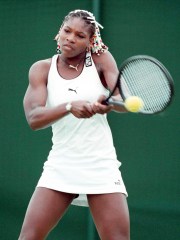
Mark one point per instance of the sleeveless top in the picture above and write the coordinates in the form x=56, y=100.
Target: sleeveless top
x=83, y=158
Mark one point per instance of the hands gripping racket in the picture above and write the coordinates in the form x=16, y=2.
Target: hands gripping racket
x=145, y=85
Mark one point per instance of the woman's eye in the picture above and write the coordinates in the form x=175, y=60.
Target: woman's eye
x=66, y=30
x=80, y=36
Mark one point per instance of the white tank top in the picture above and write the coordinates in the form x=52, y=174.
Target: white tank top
x=70, y=132
x=83, y=158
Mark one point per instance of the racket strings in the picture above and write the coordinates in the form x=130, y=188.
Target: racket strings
x=146, y=79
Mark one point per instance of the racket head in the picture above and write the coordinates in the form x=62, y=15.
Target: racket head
x=146, y=77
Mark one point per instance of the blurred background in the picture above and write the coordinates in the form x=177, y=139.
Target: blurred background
x=147, y=146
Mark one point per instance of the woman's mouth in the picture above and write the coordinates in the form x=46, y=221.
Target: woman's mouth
x=68, y=46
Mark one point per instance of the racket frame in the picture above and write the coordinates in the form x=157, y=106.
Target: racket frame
x=118, y=83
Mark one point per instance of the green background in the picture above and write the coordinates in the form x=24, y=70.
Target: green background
x=148, y=146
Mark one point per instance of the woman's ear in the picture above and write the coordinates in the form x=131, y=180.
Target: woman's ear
x=91, y=40
x=89, y=47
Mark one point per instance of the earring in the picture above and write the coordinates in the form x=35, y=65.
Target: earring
x=58, y=49
x=88, y=49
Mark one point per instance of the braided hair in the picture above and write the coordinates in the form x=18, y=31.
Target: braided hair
x=96, y=46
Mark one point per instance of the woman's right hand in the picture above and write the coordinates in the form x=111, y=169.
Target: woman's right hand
x=82, y=109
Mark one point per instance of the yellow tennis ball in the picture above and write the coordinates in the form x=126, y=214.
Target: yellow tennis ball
x=134, y=104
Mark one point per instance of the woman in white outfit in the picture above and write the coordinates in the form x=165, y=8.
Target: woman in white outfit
x=66, y=93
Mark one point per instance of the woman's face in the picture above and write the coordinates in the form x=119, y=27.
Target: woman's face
x=74, y=37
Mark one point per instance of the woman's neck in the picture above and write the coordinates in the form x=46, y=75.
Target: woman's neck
x=73, y=62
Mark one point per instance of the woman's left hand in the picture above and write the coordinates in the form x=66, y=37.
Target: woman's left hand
x=100, y=108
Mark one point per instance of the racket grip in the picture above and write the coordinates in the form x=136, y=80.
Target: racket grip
x=116, y=103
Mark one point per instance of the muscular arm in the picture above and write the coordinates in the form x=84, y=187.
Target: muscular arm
x=37, y=114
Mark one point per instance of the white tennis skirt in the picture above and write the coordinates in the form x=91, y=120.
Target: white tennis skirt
x=82, y=181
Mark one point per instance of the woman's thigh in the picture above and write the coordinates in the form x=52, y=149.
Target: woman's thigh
x=111, y=215
x=45, y=209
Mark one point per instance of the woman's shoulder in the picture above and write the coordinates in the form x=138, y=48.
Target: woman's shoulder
x=39, y=70
x=104, y=60
x=41, y=64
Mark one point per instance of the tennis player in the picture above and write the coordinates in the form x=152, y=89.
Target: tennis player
x=66, y=93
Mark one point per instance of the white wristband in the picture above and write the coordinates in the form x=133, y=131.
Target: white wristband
x=68, y=107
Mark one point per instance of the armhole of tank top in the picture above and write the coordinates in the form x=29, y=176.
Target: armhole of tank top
x=53, y=65
x=54, y=61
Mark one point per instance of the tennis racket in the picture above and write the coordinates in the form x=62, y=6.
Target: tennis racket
x=147, y=78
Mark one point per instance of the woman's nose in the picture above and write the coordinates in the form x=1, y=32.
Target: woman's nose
x=71, y=38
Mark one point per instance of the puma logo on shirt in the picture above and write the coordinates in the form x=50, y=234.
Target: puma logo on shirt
x=72, y=90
